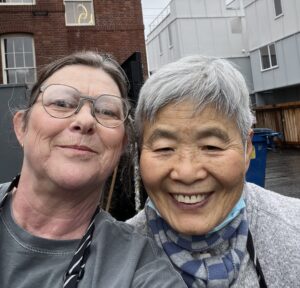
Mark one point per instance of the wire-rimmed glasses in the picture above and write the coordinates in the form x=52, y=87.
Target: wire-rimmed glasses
x=62, y=101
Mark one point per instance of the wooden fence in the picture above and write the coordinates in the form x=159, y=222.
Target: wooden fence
x=284, y=118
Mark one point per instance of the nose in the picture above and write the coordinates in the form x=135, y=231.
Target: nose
x=188, y=169
x=83, y=120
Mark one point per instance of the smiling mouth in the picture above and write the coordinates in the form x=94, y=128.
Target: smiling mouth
x=190, y=199
x=80, y=148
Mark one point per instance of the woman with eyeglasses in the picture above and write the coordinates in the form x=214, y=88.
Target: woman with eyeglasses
x=52, y=231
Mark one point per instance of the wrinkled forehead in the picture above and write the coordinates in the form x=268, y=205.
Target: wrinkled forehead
x=190, y=109
x=88, y=80
x=185, y=112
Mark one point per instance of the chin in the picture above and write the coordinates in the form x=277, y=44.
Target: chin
x=71, y=181
x=191, y=230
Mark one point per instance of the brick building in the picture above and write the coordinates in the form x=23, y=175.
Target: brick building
x=35, y=32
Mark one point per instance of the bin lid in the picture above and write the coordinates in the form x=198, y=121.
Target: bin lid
x=262, y=130
x=266, y=132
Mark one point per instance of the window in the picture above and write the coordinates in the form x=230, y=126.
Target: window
x=160, y=45
x=18, y=59
x=278, y=7
x=79, y=13
x=236, y=25
x=268, y=57
x=170, y=37
x=17, y=2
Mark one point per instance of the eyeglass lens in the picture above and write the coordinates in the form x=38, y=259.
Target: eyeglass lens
x=61, y=101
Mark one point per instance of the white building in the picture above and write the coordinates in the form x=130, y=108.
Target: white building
x=274, y=48
x=264, y=33
x=206, y=27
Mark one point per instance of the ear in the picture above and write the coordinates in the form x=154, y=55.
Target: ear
x=249, y=149
x=18, y=122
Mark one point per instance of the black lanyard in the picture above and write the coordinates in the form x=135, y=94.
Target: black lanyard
x=76, y=267
x=253, y=257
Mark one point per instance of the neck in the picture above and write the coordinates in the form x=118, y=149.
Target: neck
x=55, y=214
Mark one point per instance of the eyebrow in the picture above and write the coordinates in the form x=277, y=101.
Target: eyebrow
x=203, y=133
x=213, y=132
x=161, y=133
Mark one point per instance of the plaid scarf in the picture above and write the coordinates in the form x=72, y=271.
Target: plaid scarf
x=194, y=256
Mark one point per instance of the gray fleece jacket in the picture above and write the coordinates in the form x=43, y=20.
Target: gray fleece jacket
x=274, y=221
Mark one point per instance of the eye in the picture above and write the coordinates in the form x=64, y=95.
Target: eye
x=164, y=150
x=211, y=148
x=107, y=113
x=60, y=104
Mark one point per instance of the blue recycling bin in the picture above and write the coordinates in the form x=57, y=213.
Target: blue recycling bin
x=262, y=141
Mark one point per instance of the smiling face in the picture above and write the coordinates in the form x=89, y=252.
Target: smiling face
x=75, y=152
x=193, y=166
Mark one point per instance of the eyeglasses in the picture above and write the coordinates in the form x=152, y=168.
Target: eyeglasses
x=63, y=101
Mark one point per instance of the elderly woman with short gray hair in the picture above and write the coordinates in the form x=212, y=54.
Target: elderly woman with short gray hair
x=193, y=122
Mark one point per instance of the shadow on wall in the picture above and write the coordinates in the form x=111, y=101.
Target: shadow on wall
x=11, y=98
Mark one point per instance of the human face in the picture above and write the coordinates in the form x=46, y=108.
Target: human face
x=193, y=166
x=76, y=152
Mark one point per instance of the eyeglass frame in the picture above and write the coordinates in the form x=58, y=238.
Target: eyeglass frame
x=83, y=98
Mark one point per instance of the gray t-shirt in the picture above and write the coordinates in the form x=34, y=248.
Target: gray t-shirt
x=120, y=257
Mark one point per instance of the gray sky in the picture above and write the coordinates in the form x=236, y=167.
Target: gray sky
x=151, y=8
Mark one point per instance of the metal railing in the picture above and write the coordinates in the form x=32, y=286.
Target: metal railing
x=159, y=18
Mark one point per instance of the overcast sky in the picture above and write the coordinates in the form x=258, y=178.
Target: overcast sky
x=151, y=8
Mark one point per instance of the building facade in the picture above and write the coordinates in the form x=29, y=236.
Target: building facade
x=36, y=32
x=206, y=27
x=262, y=37
x=274, y=48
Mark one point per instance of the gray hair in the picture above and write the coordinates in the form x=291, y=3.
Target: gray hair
x=202, y=80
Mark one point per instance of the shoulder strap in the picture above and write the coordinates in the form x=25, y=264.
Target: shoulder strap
x=253, y=257
x=3, y=188
x=6, y=187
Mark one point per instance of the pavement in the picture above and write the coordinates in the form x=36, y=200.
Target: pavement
x=283, y=172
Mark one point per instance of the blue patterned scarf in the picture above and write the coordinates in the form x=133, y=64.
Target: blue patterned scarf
x=211, y=260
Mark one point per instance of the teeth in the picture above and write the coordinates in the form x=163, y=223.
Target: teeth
x=189, y=199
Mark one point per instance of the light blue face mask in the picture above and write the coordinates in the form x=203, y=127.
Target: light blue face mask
x=236, y=209
x=233, y=213
x=151, y=205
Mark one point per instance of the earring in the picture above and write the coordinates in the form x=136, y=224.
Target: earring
x=22, y=145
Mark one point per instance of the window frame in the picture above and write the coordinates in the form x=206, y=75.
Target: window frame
x=170, y=37
x=276, y=3
x=5, y=69
x=269, y=57
x=160, y=45
x=78, y=24
x=16, y=4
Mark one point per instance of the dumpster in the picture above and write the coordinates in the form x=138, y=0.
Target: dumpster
x=262, y=142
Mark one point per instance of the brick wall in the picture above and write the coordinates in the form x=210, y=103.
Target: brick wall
x=118, y=29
